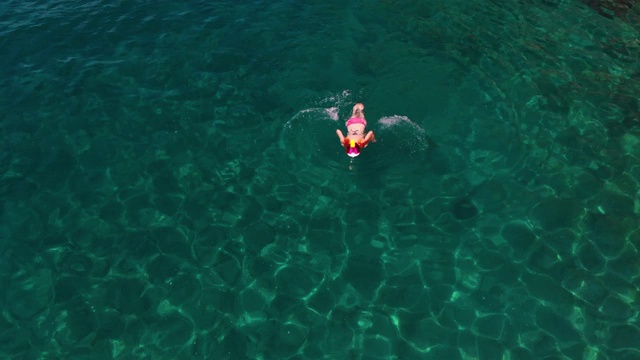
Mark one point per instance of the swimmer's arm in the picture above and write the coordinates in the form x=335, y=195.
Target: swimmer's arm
x=340, y=136
x=371, y=137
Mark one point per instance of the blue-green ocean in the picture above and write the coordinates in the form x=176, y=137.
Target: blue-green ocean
x=172, y=186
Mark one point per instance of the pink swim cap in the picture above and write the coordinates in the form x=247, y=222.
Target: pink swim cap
x=354, y=148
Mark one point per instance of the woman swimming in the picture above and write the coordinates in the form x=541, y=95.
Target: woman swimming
x=356, y=139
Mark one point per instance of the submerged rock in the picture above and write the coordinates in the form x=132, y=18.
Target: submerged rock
x=610, y=8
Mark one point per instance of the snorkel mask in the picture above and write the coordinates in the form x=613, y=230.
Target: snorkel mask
x=354, y=149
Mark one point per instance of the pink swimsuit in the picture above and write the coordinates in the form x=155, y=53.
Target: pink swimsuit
x=356, y=120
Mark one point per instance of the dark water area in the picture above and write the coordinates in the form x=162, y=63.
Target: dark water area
x=172, y=186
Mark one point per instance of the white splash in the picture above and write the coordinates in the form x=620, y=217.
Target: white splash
x=332, y=112
x=389, y=121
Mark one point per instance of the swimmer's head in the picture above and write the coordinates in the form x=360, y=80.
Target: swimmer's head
x=353, y=149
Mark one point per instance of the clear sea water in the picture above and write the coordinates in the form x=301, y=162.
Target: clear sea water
x=172, y=186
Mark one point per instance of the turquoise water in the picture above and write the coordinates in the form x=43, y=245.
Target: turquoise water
x=172, y=186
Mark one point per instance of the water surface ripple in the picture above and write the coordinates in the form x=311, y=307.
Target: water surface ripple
x=172, y=186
